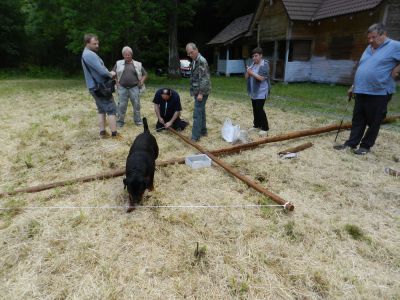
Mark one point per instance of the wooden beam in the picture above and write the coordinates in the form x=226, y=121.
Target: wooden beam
x=218, y=152
x=296, y=149
x=259, y=188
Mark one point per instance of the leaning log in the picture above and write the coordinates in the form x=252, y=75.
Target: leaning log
x=296, y=149
x=287, y=205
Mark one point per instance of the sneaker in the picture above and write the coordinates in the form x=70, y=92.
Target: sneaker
x=195, y=140
x=361, y=151
x=343, y=147
x=117, y=137
x=104, y=134
x=263, y=132
x=140, y=123
x=253, y=129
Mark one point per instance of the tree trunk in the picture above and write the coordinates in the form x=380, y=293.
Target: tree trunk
x=173, y=58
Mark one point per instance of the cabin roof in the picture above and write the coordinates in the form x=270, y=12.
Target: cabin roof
x=236, y=29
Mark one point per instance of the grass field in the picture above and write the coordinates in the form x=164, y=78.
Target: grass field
x=340, y=242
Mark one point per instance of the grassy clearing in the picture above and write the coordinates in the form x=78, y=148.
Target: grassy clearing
x=340, y=242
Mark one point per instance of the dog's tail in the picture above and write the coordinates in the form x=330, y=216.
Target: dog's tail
x=145, y=126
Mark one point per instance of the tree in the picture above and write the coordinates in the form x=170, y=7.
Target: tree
x=11, y=32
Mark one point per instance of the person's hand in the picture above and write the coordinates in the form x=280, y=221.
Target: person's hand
x=396, y=73
x=168, y=124
x=113, y=73
x=161, y=120
x=350, y=91
x=141, y=82
x=200, y=97
x=249, y=71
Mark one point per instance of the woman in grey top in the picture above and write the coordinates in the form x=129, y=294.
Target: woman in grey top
x=258, y=87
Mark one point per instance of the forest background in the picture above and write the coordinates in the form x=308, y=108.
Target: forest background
x=48, y=34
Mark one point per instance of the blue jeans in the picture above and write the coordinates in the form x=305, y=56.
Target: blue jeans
x=124, y=95
x=199, y=118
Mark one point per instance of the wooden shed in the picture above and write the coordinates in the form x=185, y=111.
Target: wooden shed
x=232, y=44
x=319, y=40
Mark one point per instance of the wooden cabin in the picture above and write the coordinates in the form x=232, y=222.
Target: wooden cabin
x=319, y=40
x=232, y=44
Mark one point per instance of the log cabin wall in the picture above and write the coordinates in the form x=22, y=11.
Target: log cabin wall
x=273, y=22
x=391, y=17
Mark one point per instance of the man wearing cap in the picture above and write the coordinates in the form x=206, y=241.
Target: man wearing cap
x=167, y=105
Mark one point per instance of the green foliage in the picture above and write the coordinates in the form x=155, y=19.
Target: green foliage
x=355, y=232
x=11, y=32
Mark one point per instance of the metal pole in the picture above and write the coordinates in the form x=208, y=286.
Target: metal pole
x=341, y=122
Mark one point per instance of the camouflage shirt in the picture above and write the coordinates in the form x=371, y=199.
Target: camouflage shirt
x=200, y=79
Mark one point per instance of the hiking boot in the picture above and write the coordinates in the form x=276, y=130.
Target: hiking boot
x=117, y=137
x=361, y=151
x=343, y=147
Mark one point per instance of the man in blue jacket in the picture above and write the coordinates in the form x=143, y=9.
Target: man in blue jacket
x=373, y=88
x=95, y=71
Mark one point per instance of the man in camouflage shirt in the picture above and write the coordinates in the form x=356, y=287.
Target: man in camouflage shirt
x=200, y=87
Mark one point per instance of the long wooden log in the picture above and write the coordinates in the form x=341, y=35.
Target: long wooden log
x=232, y=171
x=218, y=152
x=289, y=136
x=104, y=175
x=296, y=149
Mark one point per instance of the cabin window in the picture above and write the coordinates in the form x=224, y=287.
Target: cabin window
x=341, y=47
x=300, y=50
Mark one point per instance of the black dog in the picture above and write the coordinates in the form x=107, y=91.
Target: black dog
x=140, y=166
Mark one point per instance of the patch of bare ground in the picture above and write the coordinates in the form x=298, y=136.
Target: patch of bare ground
x=341, y=241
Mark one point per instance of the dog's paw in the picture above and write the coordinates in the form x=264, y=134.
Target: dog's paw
x=130, y=209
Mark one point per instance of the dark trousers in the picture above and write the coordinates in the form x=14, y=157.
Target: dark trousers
x=368, y=110
x=179, y=125
x=260, y=118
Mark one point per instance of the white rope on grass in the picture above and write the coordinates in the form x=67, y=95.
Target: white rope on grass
x=147, y=206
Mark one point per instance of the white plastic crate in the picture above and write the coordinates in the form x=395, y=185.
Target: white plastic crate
x=198, y=161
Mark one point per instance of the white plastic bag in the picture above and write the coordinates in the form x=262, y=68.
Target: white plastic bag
x=230, y=132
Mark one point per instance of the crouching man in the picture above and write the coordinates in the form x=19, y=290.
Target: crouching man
x=167, y=105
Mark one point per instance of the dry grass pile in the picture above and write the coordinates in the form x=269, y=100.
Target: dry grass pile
x=340, y=242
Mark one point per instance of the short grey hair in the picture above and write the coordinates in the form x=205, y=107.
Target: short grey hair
x=191, y=45
x=127, y=48
x=378, y=27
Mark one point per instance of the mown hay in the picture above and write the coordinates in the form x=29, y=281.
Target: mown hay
x=50, y=134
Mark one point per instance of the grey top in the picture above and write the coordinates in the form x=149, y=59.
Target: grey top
x=129, y=77
x=97, y=68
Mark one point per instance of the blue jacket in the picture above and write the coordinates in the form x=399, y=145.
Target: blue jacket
x=97, y=68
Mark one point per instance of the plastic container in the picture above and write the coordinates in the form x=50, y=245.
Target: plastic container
x=198, y=161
